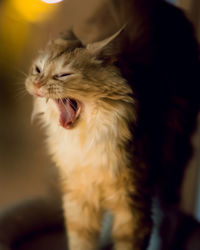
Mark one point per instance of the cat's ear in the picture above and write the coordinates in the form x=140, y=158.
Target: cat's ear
x=105, y=46
x=69, y=35
x=66, y=39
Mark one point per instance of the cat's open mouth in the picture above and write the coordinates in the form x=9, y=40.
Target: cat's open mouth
x=69, y=111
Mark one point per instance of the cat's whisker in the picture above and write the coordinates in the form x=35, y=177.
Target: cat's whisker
x=20, y=93
x=22, y=72
x=20, y=88
x=53, y=92
x=64, y=104
x=73, y=106
x=19, y=83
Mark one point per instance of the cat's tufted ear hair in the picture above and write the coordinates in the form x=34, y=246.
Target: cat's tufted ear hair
x=70, y=38
x=106, y=46
x=69, y=35
x=67, y=39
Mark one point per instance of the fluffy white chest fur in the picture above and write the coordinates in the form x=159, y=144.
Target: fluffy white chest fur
x=87, y=145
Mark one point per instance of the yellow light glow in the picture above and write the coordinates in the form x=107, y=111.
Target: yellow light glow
x=52, y=1
x=33, y=10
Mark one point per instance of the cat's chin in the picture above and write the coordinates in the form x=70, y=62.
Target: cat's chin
x=70, y=110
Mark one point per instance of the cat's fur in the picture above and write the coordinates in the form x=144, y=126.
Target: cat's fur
x=133, y=131
x=95, y=155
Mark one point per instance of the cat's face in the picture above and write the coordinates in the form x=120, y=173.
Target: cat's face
x=74, y=77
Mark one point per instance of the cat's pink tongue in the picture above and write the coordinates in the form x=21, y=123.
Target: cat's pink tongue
x=67, y=113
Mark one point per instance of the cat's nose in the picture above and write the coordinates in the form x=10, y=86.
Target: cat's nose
x=38, y=84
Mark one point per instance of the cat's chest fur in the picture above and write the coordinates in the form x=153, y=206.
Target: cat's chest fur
x=73, y=150
x=90, y=146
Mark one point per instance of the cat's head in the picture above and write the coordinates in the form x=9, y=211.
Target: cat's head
x=74, y=76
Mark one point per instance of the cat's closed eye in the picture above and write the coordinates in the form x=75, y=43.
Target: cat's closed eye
x=62, y=75
x=36, y=70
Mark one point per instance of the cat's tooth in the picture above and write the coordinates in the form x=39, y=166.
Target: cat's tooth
x=47, y=99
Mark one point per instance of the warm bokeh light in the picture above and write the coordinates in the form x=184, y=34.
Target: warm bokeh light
x=52, y=1
x=16, y=19
x=33, y=10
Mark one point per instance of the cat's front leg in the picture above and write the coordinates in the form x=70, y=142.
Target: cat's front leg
x=131, y=229
x=122, y=232
x=131, y=223
x=82, y=221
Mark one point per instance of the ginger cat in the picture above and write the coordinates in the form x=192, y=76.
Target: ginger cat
x=89, y=112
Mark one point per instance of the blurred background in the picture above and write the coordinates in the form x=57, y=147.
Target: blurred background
x=26, y=171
